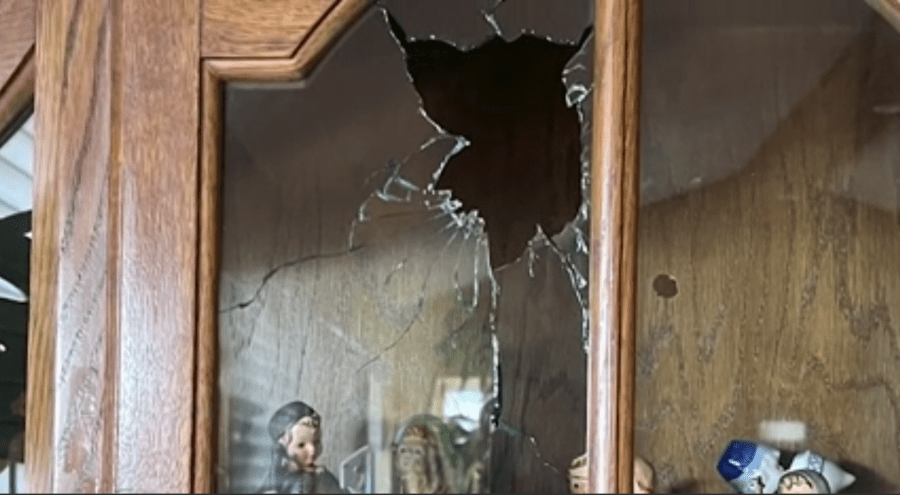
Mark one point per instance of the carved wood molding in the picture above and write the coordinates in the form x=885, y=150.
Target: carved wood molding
x=273, y=29
x=301, y=59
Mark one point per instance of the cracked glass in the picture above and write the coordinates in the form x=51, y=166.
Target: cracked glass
x=767, y=255
x=403, y=286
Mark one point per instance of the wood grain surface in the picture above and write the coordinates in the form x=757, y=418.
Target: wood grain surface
x=612, y=192
x=206, y=408
x=252, y=29
x=302, y=60
x=68, y=320
x=777, y=286
x=16, y=58
x=17, y=31
x=112, y=352
x=17, y=94
x=628, y=263
x=158, y=133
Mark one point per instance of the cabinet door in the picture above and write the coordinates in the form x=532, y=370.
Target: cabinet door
x=399, y=214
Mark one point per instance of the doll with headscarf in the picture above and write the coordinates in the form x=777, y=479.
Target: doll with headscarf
x=296, y=433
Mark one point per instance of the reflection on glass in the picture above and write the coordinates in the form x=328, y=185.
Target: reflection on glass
x=16, y=164
x=403, y=276
x=768, y=274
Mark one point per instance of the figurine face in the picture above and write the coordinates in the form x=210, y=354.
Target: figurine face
x=411, y=455
x=801, y=482
x=303, y=444
x=418, y=462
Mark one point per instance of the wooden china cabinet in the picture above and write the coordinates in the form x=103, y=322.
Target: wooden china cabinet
x=237, y=204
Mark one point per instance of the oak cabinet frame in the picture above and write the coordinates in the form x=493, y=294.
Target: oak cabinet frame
x=122, y=353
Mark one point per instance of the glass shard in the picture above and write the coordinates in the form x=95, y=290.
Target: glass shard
x=346, y=284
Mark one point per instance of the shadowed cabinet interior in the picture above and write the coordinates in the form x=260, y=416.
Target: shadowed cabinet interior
x=768, y=274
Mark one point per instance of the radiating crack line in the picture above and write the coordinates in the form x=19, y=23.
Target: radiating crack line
x=244, y=304
x=398, y=339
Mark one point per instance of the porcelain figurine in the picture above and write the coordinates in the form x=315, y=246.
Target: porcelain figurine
x=422, y=457
x=296, y=433
x=751, y=467
x=431, y=456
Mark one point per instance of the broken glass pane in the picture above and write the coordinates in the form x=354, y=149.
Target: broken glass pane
x=356, y=279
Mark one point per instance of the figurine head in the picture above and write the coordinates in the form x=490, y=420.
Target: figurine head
x=810, y=471
x=420, y=459
x=296, y=428
x=802, y=481
x=750, y=467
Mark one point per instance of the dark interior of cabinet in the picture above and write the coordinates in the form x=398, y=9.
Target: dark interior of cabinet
x=522, y=169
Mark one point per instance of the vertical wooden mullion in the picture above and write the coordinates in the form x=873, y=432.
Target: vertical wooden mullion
x=111, y=353
x=159, y=82
x=628, y=274
x=613, y=219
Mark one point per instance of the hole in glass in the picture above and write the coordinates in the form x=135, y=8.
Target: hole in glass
x=521, y=168
x=355, y=279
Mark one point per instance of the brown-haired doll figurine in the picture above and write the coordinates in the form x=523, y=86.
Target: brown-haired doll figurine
x=296, y=431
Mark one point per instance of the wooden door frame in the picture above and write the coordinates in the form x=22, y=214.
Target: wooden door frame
x=126, y=230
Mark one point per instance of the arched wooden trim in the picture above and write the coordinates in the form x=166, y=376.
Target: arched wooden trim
x=303, y=59
x=613, y=266
x=214, y=74
x=273, y=29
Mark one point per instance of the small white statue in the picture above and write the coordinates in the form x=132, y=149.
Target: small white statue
x=754, y=468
